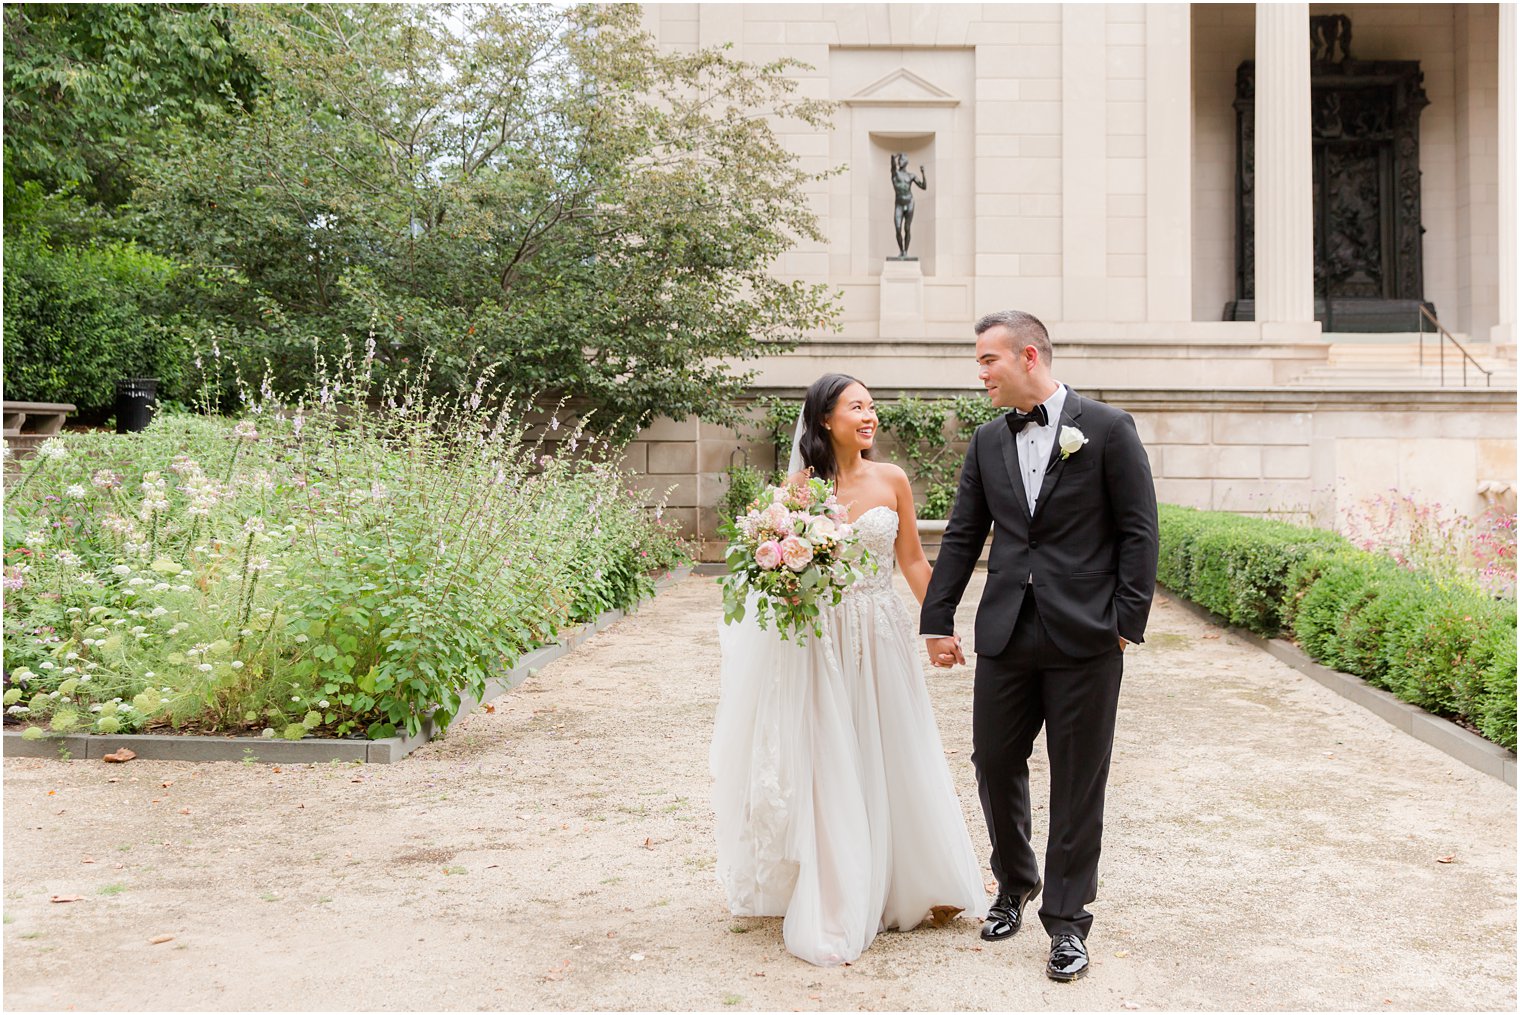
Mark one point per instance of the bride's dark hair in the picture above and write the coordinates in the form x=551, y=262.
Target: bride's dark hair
x=816, y=447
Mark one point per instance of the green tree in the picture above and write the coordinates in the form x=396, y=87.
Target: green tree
x=88, y=87
x=537, y=189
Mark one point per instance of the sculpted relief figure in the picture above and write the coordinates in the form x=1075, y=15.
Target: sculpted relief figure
x=902, y=216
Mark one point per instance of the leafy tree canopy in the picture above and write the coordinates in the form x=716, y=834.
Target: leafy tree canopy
x=533, y=189
x=89, y=86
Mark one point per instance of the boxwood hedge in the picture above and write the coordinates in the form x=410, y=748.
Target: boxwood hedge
x=1446, y=646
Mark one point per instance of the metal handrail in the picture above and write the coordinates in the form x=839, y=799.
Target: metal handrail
x=1445, y=336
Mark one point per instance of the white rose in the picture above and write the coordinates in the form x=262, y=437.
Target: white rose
x=1071, y=440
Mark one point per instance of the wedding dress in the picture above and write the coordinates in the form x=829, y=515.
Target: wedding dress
x=834, y=804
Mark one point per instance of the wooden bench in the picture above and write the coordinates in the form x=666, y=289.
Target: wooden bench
x=29, y=424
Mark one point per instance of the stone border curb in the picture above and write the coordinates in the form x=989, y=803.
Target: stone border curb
x=1442, y=734
x=167, y=747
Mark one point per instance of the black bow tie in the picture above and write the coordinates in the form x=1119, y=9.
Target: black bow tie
x=1018, y=420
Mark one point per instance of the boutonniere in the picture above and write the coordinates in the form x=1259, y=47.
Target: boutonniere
x=1071, y=441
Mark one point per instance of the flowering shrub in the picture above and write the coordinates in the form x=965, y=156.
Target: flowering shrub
x=331, y=569
x=1432, y=539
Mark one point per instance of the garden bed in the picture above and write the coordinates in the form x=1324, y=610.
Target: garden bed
x=309, y=571
x=188, y=747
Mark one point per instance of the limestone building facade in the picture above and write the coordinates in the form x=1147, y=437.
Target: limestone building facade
x=1229, y=215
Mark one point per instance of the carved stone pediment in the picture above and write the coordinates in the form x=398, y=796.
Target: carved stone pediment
x=902, y=87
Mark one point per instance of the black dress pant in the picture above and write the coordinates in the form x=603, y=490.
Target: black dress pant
x=1029, y=684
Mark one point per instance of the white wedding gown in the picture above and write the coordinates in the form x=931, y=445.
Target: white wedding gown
x=834, y=804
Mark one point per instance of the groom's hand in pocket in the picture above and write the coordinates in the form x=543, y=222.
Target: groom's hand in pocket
x=945, y=652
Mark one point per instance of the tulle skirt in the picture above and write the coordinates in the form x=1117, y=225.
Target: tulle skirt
x=834, y=804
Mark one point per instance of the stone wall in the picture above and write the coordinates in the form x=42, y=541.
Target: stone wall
x=1304, y=456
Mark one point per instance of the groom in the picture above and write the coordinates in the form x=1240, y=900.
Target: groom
x=1066, y=484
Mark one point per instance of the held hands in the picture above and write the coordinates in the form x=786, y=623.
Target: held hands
x=945, y=652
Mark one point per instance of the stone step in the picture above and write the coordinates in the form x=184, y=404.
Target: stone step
x=1407, y=377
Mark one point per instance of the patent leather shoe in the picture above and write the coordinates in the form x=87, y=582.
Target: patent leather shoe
x=1006, y=915
x=1068, y=958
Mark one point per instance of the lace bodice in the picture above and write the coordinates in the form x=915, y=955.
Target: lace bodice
x=877, y=529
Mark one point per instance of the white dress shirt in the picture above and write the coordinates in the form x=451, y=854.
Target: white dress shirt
x=1035, y=444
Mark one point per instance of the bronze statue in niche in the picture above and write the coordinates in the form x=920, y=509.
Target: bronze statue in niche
x=903, y=183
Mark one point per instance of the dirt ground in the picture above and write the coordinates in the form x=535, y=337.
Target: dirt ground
x=1268, y=846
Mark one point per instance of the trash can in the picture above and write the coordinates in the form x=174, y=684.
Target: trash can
x=134, y=403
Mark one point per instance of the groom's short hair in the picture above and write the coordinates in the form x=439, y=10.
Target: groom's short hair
x=1026, y=329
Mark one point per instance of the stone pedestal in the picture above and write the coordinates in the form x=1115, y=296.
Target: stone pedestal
x=902, y=299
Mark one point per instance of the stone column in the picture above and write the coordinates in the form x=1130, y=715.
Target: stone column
x=1284, y=173
x=1503, y=333
x=1084, y=162
x=1168, y=162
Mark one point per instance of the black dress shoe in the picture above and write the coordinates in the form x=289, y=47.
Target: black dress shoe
x=1006, y=915
x=1068, y=958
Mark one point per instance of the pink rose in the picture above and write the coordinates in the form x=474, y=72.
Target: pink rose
x=796, y=553
x=768, y=555
x=822, y=527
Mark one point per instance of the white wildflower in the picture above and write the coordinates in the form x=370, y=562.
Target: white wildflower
x=54, y=450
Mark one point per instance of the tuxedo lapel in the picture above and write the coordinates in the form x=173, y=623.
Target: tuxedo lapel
x=1055, y=465
x=1009, y=447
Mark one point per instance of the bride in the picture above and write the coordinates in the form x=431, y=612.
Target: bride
x=834, y=804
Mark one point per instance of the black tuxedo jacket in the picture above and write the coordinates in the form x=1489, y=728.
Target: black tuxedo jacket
x=1090, y=545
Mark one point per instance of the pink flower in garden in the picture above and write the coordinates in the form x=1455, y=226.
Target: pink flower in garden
x=768, y=555
x=796, y=553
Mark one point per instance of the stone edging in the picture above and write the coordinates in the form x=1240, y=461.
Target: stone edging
x=167, y=747
x=1442, y=734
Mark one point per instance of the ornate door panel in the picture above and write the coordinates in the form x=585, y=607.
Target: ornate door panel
x=1367, y=233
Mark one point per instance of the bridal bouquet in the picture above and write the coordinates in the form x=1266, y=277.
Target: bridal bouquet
x=795, y=554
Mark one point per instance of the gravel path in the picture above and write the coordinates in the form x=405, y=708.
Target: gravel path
x=1269, y=846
